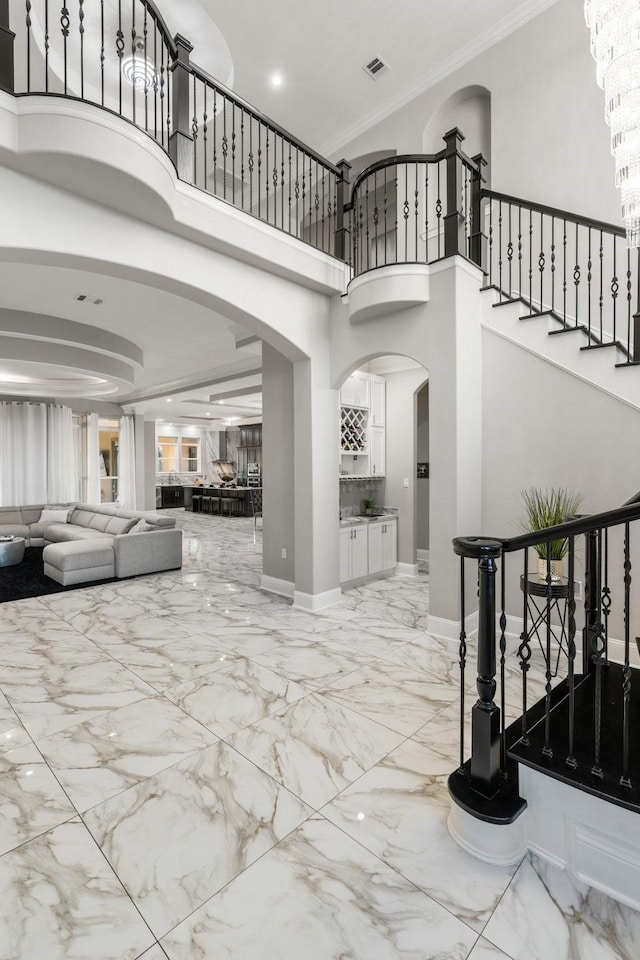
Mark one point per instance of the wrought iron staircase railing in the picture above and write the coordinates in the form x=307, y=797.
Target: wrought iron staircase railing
x=541, y=700
x=576, y=270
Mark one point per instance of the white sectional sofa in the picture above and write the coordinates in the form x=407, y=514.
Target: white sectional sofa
x=89, y=542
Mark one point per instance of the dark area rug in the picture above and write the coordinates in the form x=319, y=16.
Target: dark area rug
x=27, y=579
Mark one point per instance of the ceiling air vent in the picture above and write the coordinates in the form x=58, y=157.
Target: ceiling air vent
x=375, y=67
x=88, y=298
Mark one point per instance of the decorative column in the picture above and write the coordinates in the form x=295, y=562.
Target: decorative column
x=453, y=219
x=342, y=200
x=181, y=139
x=6, y=49
x=477, y=236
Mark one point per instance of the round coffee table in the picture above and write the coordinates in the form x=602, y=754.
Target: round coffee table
x=11, y=551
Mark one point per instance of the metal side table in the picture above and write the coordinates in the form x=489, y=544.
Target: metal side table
x=537, y=596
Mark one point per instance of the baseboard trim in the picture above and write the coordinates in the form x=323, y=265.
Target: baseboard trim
x=407, y=569
x=284, y=588
x=450, y=629
x=313, y=602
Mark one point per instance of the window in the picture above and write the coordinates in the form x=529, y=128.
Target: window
x=178, y=453
x=108, y=445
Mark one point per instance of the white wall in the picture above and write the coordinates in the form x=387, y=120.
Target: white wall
x=278, y=460
x=549, y=140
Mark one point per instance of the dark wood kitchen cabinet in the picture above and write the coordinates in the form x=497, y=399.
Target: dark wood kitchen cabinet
x=172, y=496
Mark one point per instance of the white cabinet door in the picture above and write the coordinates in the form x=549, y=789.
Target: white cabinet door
x=345, y=555
x=359, y=552
x=377, y=451
x=390, y=544
x=378, y=401
x=355, y=390
x=376, y=554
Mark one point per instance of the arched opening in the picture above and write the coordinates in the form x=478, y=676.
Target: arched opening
x=384, y=447
x=469, y=109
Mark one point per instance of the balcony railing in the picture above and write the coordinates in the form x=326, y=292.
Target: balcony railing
x=542, y=701
x=121, y=57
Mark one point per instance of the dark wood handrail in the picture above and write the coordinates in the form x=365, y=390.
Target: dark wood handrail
x=262, y=118
x=409, y=158
x=155, y=15
x=573, y=528
x=554, y=212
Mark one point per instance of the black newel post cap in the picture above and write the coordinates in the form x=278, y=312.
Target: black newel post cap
x=477, y=547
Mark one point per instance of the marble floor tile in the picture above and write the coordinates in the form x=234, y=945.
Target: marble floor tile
x=484, y=950
x=312, y=664
x=172, y=663
x=12, y=732
x=156, y=953
x=395, y=696
x=442, y=732
x=399, y=811
x=433, y=656
x=235, y=696
x=62, y=697
x=32, y=799
x=547, y=913
x=61, y=900
x=150, y=630
x=247, y=641
x=320, y=896
x=177, y=838
x=315, y=747
x=100, y=758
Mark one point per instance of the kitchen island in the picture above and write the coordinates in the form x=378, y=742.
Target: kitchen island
x=224, y=500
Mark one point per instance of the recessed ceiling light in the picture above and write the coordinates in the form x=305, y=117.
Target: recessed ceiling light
x=276, y=80
x=208, y=414
x=168, y=399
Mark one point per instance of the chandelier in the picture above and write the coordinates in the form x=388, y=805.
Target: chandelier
x=615, y=44
x=137, y=69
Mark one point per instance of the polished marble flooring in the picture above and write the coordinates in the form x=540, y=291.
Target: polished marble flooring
x=190, y=768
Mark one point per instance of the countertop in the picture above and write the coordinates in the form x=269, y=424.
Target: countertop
x=357, y=521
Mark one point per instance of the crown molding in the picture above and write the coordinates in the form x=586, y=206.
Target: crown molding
x=509, y=24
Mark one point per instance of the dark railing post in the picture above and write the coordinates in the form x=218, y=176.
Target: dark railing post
x=485, y=714
x=7, y=37
x=181, y=139
x=476, y=244
x=342, y=198
x=591, y=627
x=453, y=219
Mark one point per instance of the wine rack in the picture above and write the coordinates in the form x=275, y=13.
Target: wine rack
x=353, y=429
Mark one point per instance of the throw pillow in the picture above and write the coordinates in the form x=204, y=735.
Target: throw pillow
x=142, y=526
x=53, y=515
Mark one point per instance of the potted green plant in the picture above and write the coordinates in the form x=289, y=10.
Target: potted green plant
x=366, y=507
x=546, y=508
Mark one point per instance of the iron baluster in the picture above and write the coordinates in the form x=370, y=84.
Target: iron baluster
x=120, y=52
x=598, y=660
x=576, y=276
x=426, y=212
x=101, y=51
x=503, y=648
x=28, y=25
x=145, y=36
x=225, y=147
x=289, y=193
x=491, y=244
x=233, y=153
x=601, y=295
x=589, y=264
x=194, y=131
x=65, y=22
x=250, y=162
x=500, y=247
x=205, y=132
x=215, y=142
x=366, y=219
x=530, y=258
x=155, y=80
x=606, y=591
x=266, y=175
x=385, y=216
x=259, y=166
x=524, y=650
x=46, y=43
x=520, y=252
x=438, y=211
x=316, y=202
x=553, y=263
x=242, y=168
x=375, y=213
x=625, y=779
x=615, y=286
x=510, y=255
x=134, y=53
x=405, y=211
x=541, y=261
x=564, y=274
x=462, y=653
x=571, y=652
x=416, y=212
x=629, y=309
x=161, y=94
x=297, y=194
x=282, y=182
x=547, y=750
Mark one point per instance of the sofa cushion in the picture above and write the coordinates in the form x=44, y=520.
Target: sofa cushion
x=99, y=521
x=54, y=515
x=142, y=526
x=118, y=525
x=61, y=532
x=10, y=515
x=14, y=530
x=81, y=517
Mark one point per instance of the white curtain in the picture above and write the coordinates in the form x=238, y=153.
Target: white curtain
x=60, y=454
x=36, y=453
x=93, y=459
x=127, y=466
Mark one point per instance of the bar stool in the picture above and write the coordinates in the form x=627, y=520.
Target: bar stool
x=231, y=505
x=206, y=503
x=196, y=503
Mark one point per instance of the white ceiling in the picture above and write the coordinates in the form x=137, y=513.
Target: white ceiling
x=189, y=353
